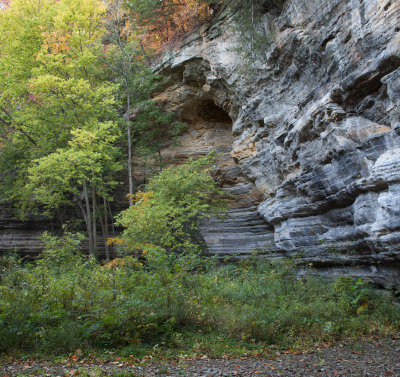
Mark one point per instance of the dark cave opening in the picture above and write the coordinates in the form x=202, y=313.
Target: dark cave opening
x=208, y=111
x=203, y=111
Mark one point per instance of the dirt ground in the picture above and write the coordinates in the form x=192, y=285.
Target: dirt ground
x=375, y=358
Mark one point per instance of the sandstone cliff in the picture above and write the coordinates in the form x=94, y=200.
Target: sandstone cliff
x=309, y=139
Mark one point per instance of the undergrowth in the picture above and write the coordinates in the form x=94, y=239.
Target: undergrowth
x=67, y=301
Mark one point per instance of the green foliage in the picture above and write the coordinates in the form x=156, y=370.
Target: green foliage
x=91, y=157
x=61, y=251
x=166, y=214
x=66, y=78
x=125, y=57
x=67, y=301
x=160, y=21
x=54, y=90
x=147, y=10
x=67, y=90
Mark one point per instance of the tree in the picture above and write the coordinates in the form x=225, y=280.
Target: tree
x=253, y=38
x=84, y=171
x=67, y=70
x=148, y=127
x=54, y=93
x=20, y=42
x=43, y=37
x=124, y=55
x=49, y=77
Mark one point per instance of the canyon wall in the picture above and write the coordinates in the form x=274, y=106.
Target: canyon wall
x=308, y=138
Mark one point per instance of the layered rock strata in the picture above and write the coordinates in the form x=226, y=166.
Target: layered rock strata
x=21, y=236
x=315, y=132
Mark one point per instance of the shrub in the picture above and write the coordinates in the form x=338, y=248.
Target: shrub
x=165, y=216
x=57, y=306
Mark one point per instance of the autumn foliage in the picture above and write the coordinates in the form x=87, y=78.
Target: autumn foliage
x=164, y=24
x=4, y=3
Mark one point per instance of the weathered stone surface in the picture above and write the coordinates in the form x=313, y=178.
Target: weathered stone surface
x=21, y=236
x=315, y=140
x=24, y=236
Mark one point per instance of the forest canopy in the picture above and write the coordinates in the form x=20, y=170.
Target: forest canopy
x=71, y=73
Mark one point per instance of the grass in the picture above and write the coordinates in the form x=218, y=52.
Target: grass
x=179, y=306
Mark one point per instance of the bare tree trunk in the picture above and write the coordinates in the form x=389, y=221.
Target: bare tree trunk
x=159, y=158
x=125, y=71
x=128, y=111
x=111, y=217
x=88, y=226
x=143, y=50
x=252, y=29
x=165, y=21
x=94, y=222
x=104, y=231
x=88, y=219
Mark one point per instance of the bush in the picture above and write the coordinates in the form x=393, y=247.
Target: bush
x=165, y=216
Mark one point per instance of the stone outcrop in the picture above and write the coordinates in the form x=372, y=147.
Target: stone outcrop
x=21, y=236
x=24, y=236
x=309, y=137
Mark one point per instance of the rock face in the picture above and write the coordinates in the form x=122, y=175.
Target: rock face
x=21, y=236
x=309, y=139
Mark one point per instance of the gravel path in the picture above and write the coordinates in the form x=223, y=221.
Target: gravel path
x=374, y=358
